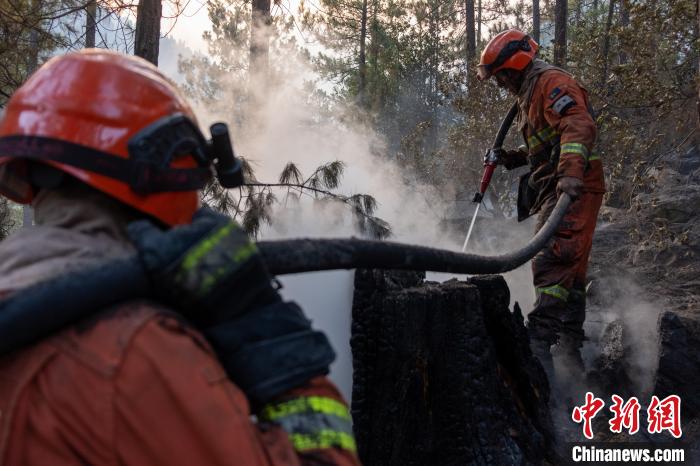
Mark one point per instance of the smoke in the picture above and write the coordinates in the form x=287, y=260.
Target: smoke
x=284, y=123
x=278, y=121
x=493, y=236
x=617, y=297
x=291, y=133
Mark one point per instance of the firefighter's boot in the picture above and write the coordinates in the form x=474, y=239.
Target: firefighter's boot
x=571, y=335
x=541, y=350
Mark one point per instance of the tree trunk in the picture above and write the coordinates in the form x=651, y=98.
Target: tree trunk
x=578, y=12
x=362, y=84
x=606, y=47
x=260, y=39
x=624, y=22
x=147, y=41
x=374, y=54
x=32, y=65
x=443, y=374
x=560, y=22
x=478, y=21
x=471, y=39
x=36, y=7
x=536, y=20
x=90, y=25
x=434, y=33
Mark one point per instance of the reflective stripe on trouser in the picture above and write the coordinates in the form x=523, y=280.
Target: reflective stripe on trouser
x=313, y=422
x=559, y=271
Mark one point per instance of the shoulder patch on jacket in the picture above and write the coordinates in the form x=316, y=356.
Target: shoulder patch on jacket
x=555, y=92
x=563, y=104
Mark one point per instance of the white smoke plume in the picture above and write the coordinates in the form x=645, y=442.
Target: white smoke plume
x=285, y=125
x=619, y=298
x=288, y=127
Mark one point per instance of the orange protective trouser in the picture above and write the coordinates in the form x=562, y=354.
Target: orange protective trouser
x=559, y=271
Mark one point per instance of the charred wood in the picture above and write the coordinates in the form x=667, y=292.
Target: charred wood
x=443, y=374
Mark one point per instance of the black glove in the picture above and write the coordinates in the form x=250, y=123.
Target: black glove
x=213, y=274
x=511, y=159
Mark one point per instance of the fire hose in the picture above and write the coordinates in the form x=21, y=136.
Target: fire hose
x=33, y=315
x=309, y=255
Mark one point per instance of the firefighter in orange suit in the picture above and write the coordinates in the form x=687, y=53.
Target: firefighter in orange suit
x=220, y=371
x=556, y=122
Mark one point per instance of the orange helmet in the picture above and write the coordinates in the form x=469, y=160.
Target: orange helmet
x=114, y=122
x=511, y=49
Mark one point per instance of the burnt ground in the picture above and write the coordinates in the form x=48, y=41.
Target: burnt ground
x=643, y=317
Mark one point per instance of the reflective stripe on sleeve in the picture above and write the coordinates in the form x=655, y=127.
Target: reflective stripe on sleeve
x=574, y=148
x=220, y=254
x=323, y=439
x=309, y=404
x=556, y=291
x=546, y=135
x=313, y=422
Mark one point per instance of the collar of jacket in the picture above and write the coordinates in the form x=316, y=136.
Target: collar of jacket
x=74, y=227
x=525, y=95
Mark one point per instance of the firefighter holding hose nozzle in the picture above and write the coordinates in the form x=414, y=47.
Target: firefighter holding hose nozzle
x=557, y=124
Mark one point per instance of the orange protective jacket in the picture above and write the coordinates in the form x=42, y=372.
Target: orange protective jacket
x=137, y=386
x=554, y=109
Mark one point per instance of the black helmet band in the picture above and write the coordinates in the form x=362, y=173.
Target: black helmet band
x=508, y=51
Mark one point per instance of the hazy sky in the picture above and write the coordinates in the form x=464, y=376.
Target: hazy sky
x=195, y=20
x=190, y=25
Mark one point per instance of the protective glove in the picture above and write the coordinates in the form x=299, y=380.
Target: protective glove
x=570, y=185
x=213, y=274
x=511, y=159
x=508, y=158
x=209, y=263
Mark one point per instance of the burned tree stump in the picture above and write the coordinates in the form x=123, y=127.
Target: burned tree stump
x=443, y=374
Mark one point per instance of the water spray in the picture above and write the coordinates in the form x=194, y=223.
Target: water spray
x=490, y=163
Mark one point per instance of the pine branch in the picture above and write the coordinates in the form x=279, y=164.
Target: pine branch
x=255, y=198
x=362, y=205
